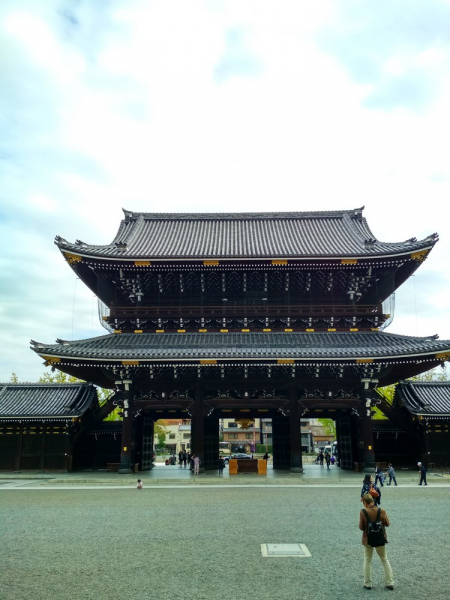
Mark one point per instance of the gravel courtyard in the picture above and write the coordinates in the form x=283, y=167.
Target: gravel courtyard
x=199, y=543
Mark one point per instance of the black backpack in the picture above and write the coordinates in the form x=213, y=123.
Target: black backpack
x=375, y=533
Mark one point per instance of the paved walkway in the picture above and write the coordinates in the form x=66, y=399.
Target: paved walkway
x=162, y=475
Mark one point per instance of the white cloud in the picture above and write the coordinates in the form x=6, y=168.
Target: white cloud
x=107, y=106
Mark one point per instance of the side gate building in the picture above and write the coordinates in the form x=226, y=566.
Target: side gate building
x=263, y=315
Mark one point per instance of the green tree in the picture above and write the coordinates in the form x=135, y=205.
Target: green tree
x=329, y=426
x=14, y=378
x=58, y=377
x=160, y=433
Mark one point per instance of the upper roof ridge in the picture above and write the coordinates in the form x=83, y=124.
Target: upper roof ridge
x=200, y=216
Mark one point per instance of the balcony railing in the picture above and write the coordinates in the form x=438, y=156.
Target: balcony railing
x=232, y=311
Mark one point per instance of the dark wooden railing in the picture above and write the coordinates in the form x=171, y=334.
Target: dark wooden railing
x=229, y=311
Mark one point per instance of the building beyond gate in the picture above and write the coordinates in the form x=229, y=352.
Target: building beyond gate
x=265, y=315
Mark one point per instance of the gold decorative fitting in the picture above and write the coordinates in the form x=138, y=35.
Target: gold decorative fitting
x=208, y=361
x=349, y=261
x=364, y=360
x=374, y=328
x=142, y=263
x=353, y=329
x=202, y=330
x=245, y=330
x=288, y=330
x=211, y=263
x=130, y=362
x=244, y=423
x=309, y=330
x=138, y=331
x=105, y=318
x=51, y=359
x=267, y=330
x=331, y=329
x=285, y=361
x=181, y=330
x=72, y=258
x=224, y=331
x=117, y=331
x=279, y=262
x=419, y=256
x=160, y=331
x=443, y=356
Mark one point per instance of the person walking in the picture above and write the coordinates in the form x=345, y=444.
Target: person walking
x=378, y=475
x=371, y=513
x=327, y=459
x=391, y=473
x=321, y=458
x=370, y=488
x=180, y=457
x=221, y=466
x=196, y=461
x=423, y=474
x=184, y=458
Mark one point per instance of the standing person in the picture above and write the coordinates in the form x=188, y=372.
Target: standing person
x=221, y=465
x=378, y=475
x=184, y=458
x=189, y=461
x=196, y=461
x=321, y=458
x=370, y=488
x=333, y=460
x=327, y=459
x=423, y=473
x=371, y=513
x=180, y=457
x=139, y=485
x=391, y=473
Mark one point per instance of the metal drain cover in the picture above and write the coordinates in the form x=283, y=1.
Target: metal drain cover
x=281, y=550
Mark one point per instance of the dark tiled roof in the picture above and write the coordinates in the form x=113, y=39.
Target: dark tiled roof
x=425, y=398
x=45, y=400
x=245, y=235
x=252, y=345
x=385, y=426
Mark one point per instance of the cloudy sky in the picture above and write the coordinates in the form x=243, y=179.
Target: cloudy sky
x=214, y=106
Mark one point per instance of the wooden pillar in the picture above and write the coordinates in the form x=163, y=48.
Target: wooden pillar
x=211, y=442
x=198, y=427
x=42, y=448
x=18, y=450
x=295, y=431
x=365, y=446
x=281, y=442
x=127, y=431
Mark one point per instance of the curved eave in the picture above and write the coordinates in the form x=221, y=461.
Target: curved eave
x=92, y=256
x=67, y=418
x=275, y=358
x=430, y=415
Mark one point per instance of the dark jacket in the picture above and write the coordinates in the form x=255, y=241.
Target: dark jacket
x=372, y=512
x=365, y=490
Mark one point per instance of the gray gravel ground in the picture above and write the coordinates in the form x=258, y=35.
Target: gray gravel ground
x=186, y=544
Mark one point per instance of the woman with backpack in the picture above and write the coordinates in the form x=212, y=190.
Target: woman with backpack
x=370, y=488
x=372, y=522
